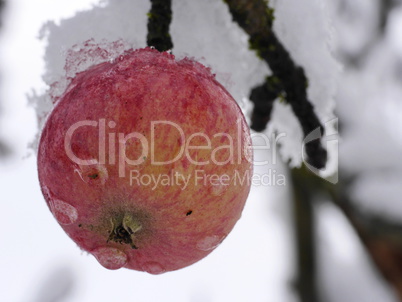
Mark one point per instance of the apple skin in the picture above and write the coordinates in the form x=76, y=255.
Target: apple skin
x=102, y=202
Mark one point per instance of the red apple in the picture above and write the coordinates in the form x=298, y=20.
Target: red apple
x=145, y=162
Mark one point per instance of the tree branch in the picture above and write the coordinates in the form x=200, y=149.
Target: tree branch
x=305, y=237
x=159, y=18
x=263, y=97
x=255, y=17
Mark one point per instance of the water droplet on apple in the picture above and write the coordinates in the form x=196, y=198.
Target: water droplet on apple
x=64, y=213
x=153, y=268
x=210, y=242
x=110, y=258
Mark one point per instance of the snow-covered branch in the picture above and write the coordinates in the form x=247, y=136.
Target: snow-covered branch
x=256, y=19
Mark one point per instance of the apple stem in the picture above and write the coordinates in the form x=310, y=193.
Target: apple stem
x=123, y=229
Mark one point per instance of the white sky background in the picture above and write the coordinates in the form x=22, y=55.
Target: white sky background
x=37, y=259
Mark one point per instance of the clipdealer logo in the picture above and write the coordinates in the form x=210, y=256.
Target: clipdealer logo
x=235, y=148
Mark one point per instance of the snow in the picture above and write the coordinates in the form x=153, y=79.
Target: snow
x=256, y=261
x=207, y=21
x=304, y=28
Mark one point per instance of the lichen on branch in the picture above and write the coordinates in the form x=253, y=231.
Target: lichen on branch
x=159, y=18
x=256, y=18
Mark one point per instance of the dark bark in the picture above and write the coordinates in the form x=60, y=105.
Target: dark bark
x=159, y=18
x=255, y=18
x=263, y=97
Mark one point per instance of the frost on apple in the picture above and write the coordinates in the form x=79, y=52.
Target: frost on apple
x=132, y=143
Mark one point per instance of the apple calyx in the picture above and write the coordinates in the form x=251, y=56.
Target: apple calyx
x=123, y=229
